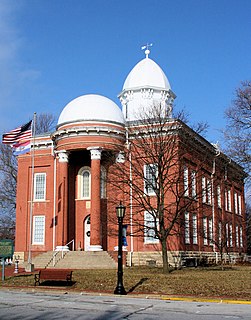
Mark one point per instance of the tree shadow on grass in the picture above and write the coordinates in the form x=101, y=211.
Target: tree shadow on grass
x=137, y=284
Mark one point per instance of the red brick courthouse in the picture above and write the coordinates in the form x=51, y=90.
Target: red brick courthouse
x=71, y=200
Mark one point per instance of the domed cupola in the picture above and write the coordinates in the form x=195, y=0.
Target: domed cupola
x=88, y=121
x=91, y=107
x=145, y=86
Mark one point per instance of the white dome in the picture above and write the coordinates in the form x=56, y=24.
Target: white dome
x=146, y=73
x=91, y=107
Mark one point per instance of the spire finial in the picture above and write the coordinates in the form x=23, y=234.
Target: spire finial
x=147, y=51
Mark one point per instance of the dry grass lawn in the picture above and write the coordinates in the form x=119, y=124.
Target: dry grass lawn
x=232, y=283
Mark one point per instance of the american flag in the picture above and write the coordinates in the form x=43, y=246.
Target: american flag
x=18, y=135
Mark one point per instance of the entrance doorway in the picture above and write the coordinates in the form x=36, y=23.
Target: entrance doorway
x=87, y=233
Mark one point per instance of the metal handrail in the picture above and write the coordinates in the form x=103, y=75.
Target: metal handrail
x=53, y=258
x=73, y=244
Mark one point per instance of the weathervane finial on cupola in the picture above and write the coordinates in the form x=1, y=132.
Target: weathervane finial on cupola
x=147, y=51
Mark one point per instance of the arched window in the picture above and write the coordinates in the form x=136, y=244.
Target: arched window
x=84, y=183
x=103, y=183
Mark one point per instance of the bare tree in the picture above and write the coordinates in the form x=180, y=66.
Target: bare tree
x=248, y=226
x=200, y=127
x=45, y=122
x=8, y=176
x=238, y=129
x=220, y=239
x=153, y=177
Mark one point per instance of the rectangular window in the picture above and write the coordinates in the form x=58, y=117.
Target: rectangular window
x=205, y=231
x=219, y=196
x=241, y=237
x=209, y=192
x=230, y=235
x=193, y=178
x=228, y=205
x=150, y=225
x=239, y=204
x=229, y=200
x=235, y=203
x=39, y=186
x=226, y=200
x=150, y=178
x=210, y=230
x=237, y=236
x=220, y=233
x=86, y=184
x=186, y=186
x=38, y=230
x=195, y=230
x=187, y=229
x=204, y=193
x=227, y=235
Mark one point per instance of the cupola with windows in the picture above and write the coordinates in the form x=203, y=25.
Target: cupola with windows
x=146, y=85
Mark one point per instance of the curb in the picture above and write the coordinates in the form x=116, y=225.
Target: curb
x=226, y=301
x=140, y=295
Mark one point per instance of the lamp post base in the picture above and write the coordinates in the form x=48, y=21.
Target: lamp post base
x=120, y=290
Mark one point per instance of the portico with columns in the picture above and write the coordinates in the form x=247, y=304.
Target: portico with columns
x=92, y=203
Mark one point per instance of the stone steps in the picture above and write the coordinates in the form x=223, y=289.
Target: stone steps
x=75, y=260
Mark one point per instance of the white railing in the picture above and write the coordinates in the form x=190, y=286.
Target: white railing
x=54, y=258
x=63, y=249
x=73, y=245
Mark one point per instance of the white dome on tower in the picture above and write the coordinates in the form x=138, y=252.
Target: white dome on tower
x=91, y=107
x=146, y=86
x=146, y=73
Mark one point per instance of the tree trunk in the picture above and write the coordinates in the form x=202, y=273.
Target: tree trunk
x=222, y=265
x=165, y=257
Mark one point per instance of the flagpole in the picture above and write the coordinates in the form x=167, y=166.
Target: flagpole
x=31, y=189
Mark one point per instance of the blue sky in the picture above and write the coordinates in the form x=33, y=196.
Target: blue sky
x=52, y=51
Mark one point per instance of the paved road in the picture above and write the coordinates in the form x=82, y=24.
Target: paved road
x=39, y=305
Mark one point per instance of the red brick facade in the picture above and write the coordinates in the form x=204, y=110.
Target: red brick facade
x=69, y=196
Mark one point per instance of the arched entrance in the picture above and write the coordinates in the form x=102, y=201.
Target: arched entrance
x=87, y=233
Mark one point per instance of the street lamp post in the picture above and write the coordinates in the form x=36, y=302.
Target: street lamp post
x=120, y=212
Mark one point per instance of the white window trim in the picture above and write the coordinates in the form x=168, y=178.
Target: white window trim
x=230, y=234
x=219, y=196
x=186, y=182
x=194, y=189
x=226, y=200
x=195, y=229
x=220, y=232
x=210, y=231
x=151, y=193
x=34, y=230
x=241, y=237
x=187, y=228
x=227, y=235
x=237, y=236
x=149, y=223
x=204, y=192
x=229, y=200
x=236, y=203
x=35, y=186
x=240, y=204
x=209, y=191
x=205, y=235
x=228, y=204
x=80, y=183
